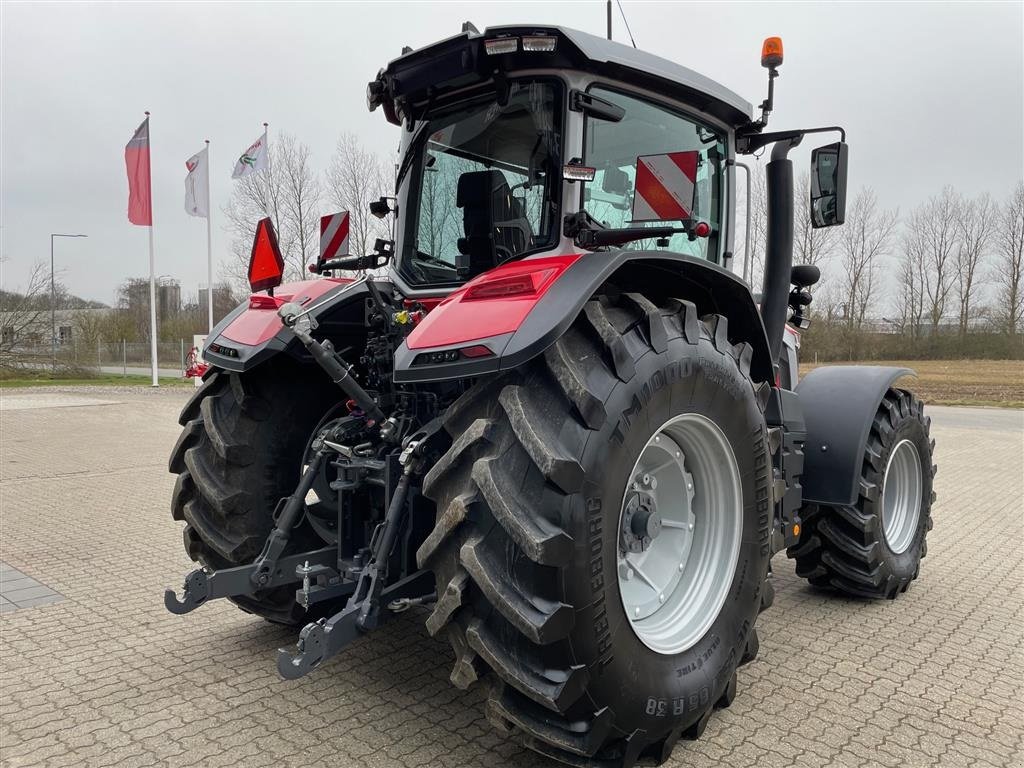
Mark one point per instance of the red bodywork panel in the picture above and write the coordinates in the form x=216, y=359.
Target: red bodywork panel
x=506, y=294
x=260, y=323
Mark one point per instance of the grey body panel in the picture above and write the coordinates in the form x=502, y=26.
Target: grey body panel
x=601, y=50
x=839, y=404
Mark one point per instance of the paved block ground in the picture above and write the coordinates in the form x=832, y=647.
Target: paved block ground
x=108, y=678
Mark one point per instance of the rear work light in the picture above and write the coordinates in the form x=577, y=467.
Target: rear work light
x=572, y=172
x=539, y=43
x=501, y=45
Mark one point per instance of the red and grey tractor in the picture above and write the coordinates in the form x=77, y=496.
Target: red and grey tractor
x=560, y=424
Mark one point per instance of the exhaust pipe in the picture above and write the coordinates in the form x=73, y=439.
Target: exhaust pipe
x=778, y=259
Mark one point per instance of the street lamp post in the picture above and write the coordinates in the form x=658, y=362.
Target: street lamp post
x=53, y=305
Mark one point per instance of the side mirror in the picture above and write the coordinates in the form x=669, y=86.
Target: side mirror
x=615, y=181
x=828, y=185
x=380, y=208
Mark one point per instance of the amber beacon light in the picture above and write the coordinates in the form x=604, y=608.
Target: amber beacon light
x=771, y=52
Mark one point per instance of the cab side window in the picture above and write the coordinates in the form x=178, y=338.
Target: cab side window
x=651, y=129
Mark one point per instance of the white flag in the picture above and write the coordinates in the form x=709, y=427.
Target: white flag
x=254, y=159
x=197, y=185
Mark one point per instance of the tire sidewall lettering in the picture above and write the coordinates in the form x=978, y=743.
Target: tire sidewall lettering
x=682, y=379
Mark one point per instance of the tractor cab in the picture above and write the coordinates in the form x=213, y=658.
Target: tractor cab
x=514, y=137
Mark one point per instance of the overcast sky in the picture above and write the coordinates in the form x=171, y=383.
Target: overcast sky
x=930, y=94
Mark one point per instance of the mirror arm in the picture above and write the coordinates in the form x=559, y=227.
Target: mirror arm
x=748, y=144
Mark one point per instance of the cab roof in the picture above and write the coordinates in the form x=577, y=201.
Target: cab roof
x=463, y=54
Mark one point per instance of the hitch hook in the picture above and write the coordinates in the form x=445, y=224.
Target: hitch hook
x=196, y=591
x=309, y=653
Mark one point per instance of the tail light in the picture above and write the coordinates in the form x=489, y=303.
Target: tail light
x=510, y=286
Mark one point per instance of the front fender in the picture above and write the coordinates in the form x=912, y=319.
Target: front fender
x=839, y=403
x=517, y=330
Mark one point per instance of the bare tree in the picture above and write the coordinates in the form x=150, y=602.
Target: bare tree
x=302, y=195
x=811, y=246
x=863, y=242
x=974, y=231
x=288, y=191
x=757, y=211
x=24, y=314
x=933, y=229
x=911, y=299
x=357, y=177
x=1009, y=270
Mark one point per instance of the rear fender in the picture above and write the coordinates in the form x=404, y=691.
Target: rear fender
x=253, y=332
x=839, y=404
x=517, y=330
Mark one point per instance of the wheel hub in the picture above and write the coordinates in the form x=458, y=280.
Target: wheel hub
x=641, y=522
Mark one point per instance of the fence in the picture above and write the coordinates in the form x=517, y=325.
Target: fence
x=110, y=358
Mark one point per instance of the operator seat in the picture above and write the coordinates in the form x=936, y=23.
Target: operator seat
x=494, y=222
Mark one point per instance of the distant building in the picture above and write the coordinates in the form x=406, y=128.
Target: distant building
x=168, y=297
x=29, y=329
x=223, y=302
x=134, y=296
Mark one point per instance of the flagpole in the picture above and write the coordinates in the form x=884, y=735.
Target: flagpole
x=152, y=274
x=209, y=242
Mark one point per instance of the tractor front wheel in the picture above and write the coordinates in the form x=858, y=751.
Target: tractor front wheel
x=873, y=548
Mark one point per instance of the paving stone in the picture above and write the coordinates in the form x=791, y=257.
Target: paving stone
x=108, y=677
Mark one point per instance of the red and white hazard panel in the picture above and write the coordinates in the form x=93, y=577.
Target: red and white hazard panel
x=333, y=235
x=664, y=186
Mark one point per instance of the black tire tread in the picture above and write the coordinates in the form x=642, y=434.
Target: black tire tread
x=221, y=490
x=484, y=517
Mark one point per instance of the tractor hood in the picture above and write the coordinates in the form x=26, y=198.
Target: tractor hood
x=419, y=80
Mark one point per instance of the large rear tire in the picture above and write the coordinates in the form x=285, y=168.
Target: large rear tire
x=240, y=452
x=873, y=548
x=530, y=500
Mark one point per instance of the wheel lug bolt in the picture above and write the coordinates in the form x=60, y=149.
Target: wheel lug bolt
x=636, y=611
x=682, y=566
x=690, y=527
x=661, y=598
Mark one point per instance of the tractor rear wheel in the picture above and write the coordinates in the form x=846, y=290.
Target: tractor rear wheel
x=601, y=544
x=874, y=548
x=240, y=452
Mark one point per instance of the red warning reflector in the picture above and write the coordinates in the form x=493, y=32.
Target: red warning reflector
x=266, y=267
x=334, y=241
x=664, y=186
x=477, y=350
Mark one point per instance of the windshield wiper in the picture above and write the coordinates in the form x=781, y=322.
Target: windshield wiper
x=588, y=233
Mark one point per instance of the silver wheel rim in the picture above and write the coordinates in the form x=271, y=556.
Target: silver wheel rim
x=901, y=496
x=674, y=589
